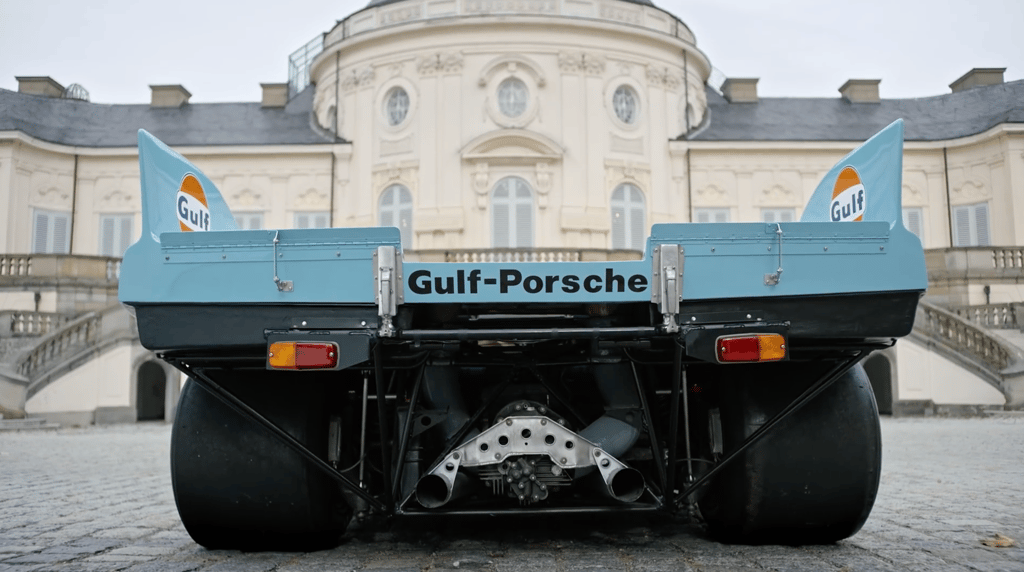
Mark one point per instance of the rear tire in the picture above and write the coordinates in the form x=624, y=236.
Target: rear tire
x=237, y=486
x=811, y=480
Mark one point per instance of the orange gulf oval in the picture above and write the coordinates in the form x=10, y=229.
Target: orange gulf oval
x=190, y=185
x=847, y=178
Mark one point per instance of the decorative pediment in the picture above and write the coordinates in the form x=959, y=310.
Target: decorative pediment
x=514, y=145
x=511, y=63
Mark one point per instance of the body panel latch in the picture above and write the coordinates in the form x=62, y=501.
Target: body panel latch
x=387, y=268
x=668, y=283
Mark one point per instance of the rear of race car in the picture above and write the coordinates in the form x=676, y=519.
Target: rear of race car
x=717, y=376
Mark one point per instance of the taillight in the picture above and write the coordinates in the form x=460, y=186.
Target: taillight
x=751, y=348
x=303, y=355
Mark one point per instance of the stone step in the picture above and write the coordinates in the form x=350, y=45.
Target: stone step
x=29, y=424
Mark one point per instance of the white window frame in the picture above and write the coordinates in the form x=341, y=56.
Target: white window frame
x=629, y=218
x=117, y=232
x=311, y=219
x=715, y=214
x=512, y=201
x=913, y=220
x=972, y=225
x=774, y=215
x=395, y=203
x=249, y=220
x=50, y=242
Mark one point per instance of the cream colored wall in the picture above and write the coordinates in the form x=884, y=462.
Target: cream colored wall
x=38, y=178
x=100, y=382
x=924, y=374
x=7, y=196
x=574, y=152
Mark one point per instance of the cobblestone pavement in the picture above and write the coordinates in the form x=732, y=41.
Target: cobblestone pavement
x=99, y=499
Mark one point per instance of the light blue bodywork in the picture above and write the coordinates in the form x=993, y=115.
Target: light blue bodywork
x=335, y=265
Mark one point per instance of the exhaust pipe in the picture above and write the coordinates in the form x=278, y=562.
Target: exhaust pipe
x=623, y=485
x=435, y=491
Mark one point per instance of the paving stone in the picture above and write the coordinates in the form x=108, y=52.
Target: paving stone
x=946, y=484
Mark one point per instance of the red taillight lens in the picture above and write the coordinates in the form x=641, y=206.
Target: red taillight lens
x=302, y=355
x=751, y=348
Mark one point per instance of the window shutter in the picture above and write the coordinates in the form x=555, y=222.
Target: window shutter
x=500, y=228
x=962, y=226
x=981, y=224
x=126, y=234
x=524, y=224
x=912, y=219
x=42, y=233
x=703, y=216
x=321, y=220
x=61, y=222
x=301, y=220
x=721, y=215
x=107, y=236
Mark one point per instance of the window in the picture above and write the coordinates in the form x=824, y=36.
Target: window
x=396, y=106
x=512, y=214
x=628, y=228
x=51, y=232
x=913, y=220
x=513, y=96
x=396, y=210
x=970, y=225
x=778, y=215
x=711, y=215
x=249, y=221
x=115, y=234
x=312, y=220
x=624, y=101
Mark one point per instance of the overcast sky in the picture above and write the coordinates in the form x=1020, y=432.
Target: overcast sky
x=221, y=51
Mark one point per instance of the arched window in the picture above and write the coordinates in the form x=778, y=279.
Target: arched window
x=512, y=214
x=628, y=225
x=396, y=210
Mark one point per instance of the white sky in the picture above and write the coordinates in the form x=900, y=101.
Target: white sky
x=221, y=51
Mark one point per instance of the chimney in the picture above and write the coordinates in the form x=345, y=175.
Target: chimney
x=861, y=90
x=168, y=96
x=740, y=89
x=39, y=85
x=978, y=77
x=274, y=94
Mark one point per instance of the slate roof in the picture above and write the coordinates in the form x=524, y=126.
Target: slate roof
x=80, y=123
x=940, y=117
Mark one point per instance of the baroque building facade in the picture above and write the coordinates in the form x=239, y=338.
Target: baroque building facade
x=473, y=125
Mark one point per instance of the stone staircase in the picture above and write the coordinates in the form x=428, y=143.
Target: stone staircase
x=985, y=339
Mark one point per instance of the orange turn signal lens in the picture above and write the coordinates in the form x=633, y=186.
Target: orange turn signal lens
x=302, y=355
x=751, y=348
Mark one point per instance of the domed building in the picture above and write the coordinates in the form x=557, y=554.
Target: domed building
x=495, y=129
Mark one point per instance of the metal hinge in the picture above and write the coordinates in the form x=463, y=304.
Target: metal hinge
x=773, y=279
x=667, y=289
x=387, y=272
x=282, y=285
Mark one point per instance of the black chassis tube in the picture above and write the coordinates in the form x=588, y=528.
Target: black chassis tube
x=229, y=399
x=385, y=446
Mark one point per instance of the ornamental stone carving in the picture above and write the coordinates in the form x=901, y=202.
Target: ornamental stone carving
x=444, y=62
x=312, y=199
x=570, y=62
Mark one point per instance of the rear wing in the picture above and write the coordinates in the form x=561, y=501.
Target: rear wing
x=850, y=240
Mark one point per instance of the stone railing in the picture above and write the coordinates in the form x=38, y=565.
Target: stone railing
x=521, y=255
x=42, y=269
x=17, y=323
x=72, y=338
x=634, y=14
x=1003, y=316
x=1008, y=258
x=963, y=337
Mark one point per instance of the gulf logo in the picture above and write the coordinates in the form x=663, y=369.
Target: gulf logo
x=193, y=212
x=848, y=199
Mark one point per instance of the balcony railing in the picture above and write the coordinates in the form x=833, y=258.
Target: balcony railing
x=1002, y=316
x=16, y=323
x=53, y=268
x=522, y=255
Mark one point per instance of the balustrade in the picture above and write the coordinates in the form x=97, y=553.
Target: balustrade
x=75, y=336
x=1002, y=316
x=23, y=324
x=963, y=337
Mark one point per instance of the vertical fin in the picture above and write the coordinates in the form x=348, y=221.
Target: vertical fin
x=176, y=196
x=867, y=184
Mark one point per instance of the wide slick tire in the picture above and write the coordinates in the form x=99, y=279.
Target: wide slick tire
x=811, y=480
x=237, y=486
